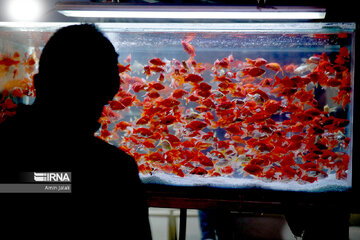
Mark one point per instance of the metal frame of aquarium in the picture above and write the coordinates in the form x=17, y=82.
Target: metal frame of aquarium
x=254, y=199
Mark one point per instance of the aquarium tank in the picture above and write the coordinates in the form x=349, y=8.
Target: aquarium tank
x=236, y=106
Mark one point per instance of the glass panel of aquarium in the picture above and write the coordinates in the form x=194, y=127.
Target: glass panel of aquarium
x=222, y=105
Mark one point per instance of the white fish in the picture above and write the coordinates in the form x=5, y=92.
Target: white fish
x=137, y=67
x=303, y=68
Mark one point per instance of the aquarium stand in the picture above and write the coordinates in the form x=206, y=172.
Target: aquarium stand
x=183, y=215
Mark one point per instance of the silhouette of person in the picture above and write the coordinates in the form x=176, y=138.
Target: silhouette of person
x=78, y=74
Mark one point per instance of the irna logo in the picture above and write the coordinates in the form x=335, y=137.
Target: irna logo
x=52, y=177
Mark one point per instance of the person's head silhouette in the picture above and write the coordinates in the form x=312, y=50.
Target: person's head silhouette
x=78, y=74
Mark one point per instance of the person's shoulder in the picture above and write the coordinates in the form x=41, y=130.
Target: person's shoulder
x=108, y=147
x=15, y=126
x=111, y=151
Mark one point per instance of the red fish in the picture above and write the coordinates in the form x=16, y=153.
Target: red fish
x=174, y=140
x=139, y=86
x=223, y=63
x=157, y=61
x=143, y=132
x=153, y=94
x=156, y=85
x=8, y=62
x=254, y=169
x=199, y=171
x=264, y=97
x=203, y=86
x=193, y=78
x=253, y=71
x=123, y=68
x=142, y=121
x=169, y=102
x=234, y=129
x=290, y=68
x=272, y=106
x=196, y=125
x=148, y=70
x=179, y=93
x=227, y=170
x=123, y=125
x=168, y=120
x=155, y=157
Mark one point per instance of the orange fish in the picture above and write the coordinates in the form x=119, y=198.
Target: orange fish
x=258, y=62
x=274, y=66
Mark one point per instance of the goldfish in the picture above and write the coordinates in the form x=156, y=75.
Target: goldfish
x=223, y=63
x=169, y=102
x=148, y=70
x=254, y=170
x=258, y=62
x=142, y=121
x=157, y=62
x=193, y=78
x=169, y=119
x=188, y=48
x=290, y=68
x=274, y=66
x=123, y=68
x=253, y=71
x=153, y=94
x=139, y=86
x=196, y=125
x=9, y=62
x=122, y=125
x=179, y=93
x=199, y=171
x=189, y=37
x=156, y=86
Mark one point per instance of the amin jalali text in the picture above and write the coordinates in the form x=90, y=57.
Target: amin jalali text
x=58, y=188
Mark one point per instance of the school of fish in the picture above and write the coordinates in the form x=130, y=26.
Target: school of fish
x=16, y=81
x=234, y=118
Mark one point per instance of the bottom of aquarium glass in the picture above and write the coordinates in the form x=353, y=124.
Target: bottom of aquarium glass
x=329, y=184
